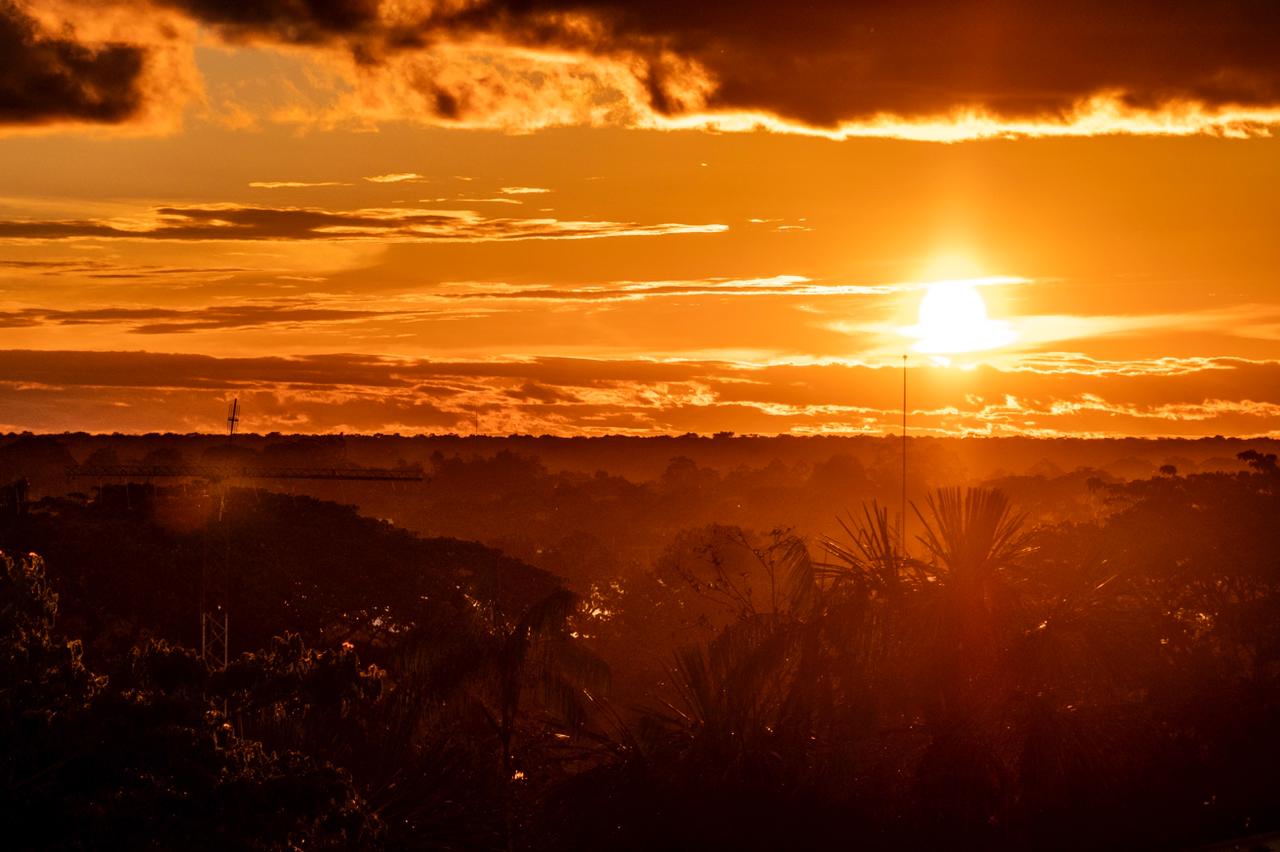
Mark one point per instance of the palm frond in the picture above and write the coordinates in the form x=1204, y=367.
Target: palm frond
x=870, y=558
x=972, y=532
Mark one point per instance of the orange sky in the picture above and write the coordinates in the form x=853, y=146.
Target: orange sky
x=596, y=217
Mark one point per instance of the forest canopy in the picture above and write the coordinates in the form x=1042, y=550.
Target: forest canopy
x=1070, y=660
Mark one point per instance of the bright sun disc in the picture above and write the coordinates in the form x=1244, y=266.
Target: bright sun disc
x=953, y=318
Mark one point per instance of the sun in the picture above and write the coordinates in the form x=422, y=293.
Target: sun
x=953, y=318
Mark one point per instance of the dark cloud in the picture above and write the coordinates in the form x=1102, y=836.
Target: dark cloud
x=165, y=371
x=47, y=78
x=175, y=321
x=830, y=61
x=821, y=64
x=532, y=391
x=290, y=21
x=231, y=222
x=113, y=270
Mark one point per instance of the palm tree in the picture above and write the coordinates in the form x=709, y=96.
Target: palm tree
x=496, y=665
x=749, y=693
x=539, y=652
x=871, y=562
x=973, y=534
x=953, y=635
x=974, y=541
x=1011, y=656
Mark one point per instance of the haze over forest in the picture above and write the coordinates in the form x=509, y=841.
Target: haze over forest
x=635, y=643
x=530, y=495
x=636, y=425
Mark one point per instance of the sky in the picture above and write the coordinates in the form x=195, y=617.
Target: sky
x=640, y=217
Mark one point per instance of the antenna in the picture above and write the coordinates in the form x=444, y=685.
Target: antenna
x=216, y=580
x=902, y=532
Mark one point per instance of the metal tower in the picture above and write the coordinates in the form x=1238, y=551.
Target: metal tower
x=215, y=571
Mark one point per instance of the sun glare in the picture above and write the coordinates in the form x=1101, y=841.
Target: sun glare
x=953, y=318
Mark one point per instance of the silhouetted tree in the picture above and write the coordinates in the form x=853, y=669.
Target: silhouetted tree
x=147, y=759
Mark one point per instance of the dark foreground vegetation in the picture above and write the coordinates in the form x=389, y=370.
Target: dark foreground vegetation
x=1105, y=674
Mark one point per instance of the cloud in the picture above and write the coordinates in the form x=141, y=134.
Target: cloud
x=922, y=69
x=918, y=69
x=47, y=78
x=638, y=291
x=1075, y=363
x=294, y=184
x=396, y=177
x=109, y=270
x=462, y=199
x=523, y=190
x=1231, y=319
x=109, y=67
x=238, y=222
x=288, y=21
x=142, y=391
x=185, y=321
x=829, y=63
x=1013, y=338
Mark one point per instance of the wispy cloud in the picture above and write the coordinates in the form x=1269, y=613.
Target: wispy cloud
x=293, y=184
x=1037, y=332
x=1079, y=364
x=470, y=200
x=107, y=270
x=636, y=291
x=523, y=190
x=292, y=315
x=782, y=225
x=1231, y=320
x=397, y=177
x=240, y=222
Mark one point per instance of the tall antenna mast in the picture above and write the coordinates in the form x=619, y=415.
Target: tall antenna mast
x=902, y=531
x=233, y=418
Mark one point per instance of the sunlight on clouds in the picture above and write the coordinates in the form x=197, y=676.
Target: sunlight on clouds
x=293, y=184
x=485, y=83
x=536, y=69
x=1104, y=114
x=1249, y=320
x=564, y=395
x=396, y=177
